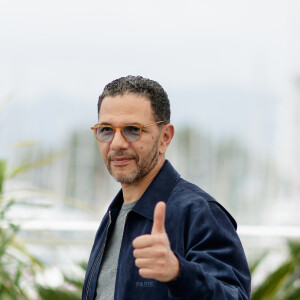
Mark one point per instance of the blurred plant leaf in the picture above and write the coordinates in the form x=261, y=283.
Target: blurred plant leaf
x=280, y=284
x=294, y=294
x=2, y=174
x=83, y=265
x=47, y=293
x=5, y=101
x=253, y=265
x=269, y=288
x=294, y=248
x=78, y=283
x=27, y=143
x=15, y=261
x=70, y=289
x=27, y=167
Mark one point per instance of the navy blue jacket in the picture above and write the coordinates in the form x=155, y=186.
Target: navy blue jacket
x=202, y=234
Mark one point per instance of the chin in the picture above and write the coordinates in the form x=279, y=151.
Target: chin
x=126, y=177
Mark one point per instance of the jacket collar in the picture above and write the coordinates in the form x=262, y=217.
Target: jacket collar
x=158, y=190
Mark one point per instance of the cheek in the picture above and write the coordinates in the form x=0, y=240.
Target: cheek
x=103, y=149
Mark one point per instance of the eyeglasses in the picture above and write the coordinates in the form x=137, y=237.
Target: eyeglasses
x=131, y=133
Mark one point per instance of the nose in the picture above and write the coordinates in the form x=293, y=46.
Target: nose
x=118, y=142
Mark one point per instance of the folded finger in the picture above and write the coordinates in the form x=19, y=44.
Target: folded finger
x=144, y=262
x=144, y=252
x=143, y=241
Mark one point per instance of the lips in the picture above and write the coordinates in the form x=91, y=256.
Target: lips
x=121, y=160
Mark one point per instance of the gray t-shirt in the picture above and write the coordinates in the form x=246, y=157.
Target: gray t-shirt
x=108, y=270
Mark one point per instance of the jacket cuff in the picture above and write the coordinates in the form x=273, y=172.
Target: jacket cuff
x=184, y=287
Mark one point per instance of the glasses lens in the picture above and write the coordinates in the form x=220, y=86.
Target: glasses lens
x=131, y=133
x=105, y=133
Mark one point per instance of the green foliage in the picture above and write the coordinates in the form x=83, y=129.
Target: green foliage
x=16, y=264
x=27, y=167
x=284, y=282
x=57, y=294
x=71, y=288
x=256, y=263
x=2, y=171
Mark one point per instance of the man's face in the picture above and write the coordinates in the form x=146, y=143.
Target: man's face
x=128, y=162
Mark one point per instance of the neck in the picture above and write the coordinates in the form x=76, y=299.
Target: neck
x=134, y=191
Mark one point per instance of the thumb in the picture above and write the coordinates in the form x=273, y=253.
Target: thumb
x=159, y=218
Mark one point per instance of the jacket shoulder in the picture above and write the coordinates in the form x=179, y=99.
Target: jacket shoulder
x=188, y=195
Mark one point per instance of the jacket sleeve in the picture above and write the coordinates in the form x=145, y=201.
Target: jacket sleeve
x=213, y=264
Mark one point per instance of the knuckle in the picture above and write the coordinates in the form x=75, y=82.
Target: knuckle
x=163, y=264
x=162, y=252
x=159, y=239
x=135, y=253
x=142, y=273
x=136, y=262
x=134, y=243
x=160, y=272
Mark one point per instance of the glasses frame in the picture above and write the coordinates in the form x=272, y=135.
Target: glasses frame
x=95, y=127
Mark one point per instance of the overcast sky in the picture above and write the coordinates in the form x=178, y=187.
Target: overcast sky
x=224, y=64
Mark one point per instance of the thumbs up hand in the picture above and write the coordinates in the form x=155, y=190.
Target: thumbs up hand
x=152, y=252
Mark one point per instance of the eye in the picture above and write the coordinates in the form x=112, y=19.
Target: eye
x=104, y=130
x=131, y=133
x=132, y=129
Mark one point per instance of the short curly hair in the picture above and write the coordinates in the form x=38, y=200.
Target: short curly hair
x=143, y=87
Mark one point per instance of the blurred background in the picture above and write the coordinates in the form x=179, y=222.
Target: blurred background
x=232, y=72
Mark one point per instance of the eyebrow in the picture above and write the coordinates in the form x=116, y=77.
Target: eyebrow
x=104, y=123
x=126, y=124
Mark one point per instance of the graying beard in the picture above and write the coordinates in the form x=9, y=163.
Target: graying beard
x=140, y=175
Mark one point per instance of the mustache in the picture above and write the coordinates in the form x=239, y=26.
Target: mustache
x=118, y=154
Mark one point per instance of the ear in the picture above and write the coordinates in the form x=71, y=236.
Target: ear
x=166, y=136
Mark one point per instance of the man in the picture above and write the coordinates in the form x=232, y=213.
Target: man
x=162, y=237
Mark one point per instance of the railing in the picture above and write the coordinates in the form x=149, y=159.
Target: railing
x=53, y=233
x=92, y=226
x=269, y=231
